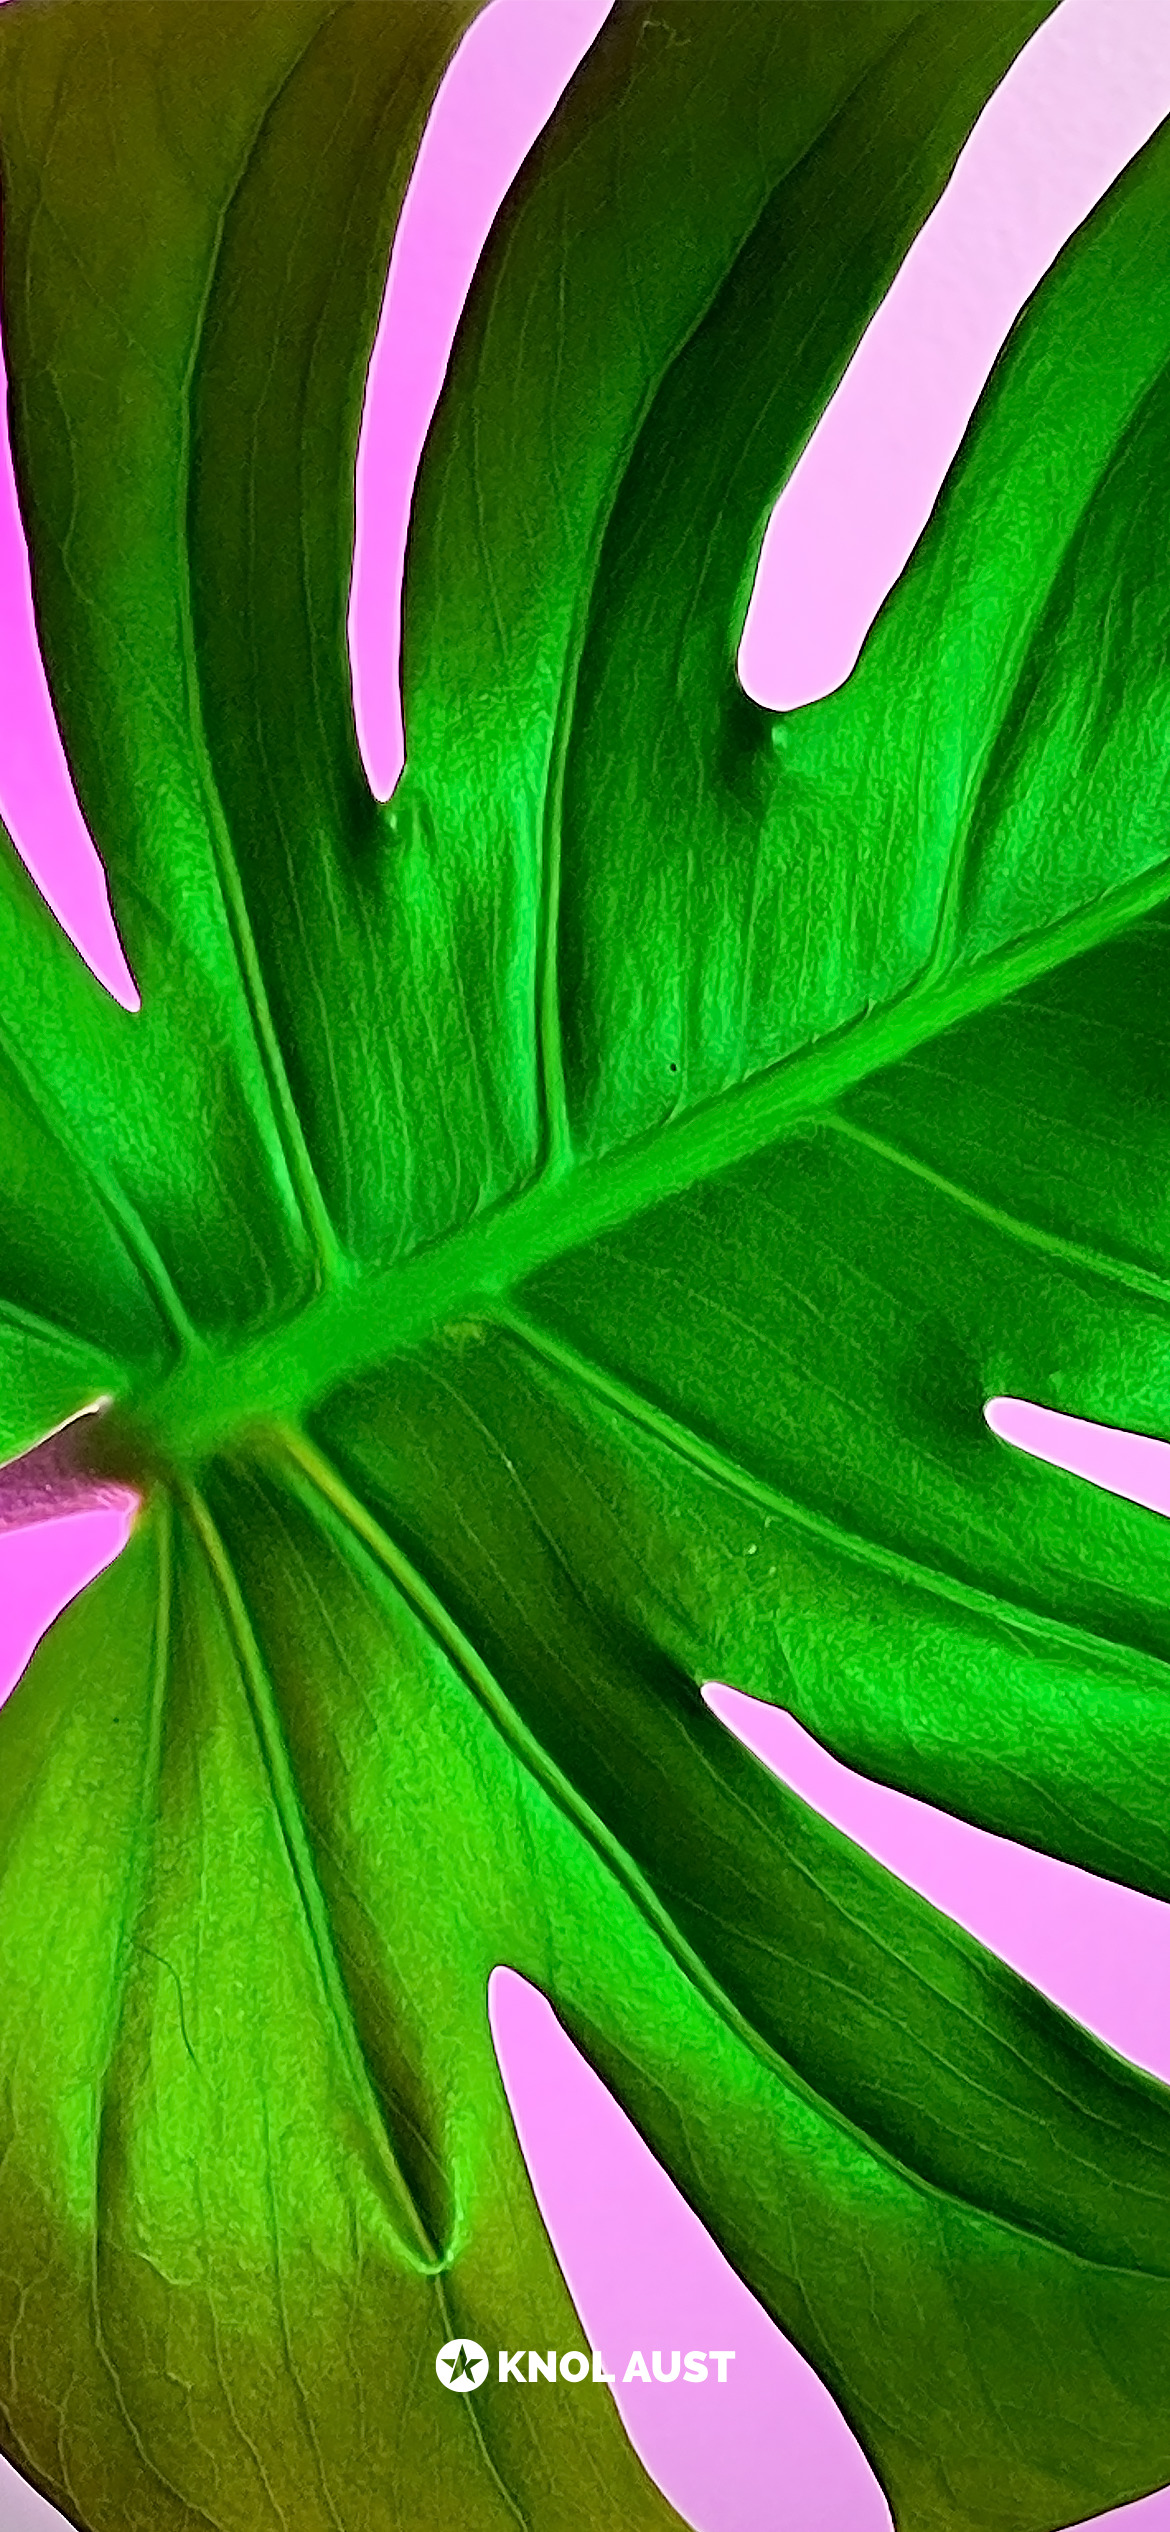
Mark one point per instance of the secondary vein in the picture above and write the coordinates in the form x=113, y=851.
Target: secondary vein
x=1092, y=1261
x=681, y=1439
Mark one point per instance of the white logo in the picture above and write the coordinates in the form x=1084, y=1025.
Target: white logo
x=461, y=2365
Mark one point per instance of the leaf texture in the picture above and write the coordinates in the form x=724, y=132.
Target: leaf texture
x=548, y=1243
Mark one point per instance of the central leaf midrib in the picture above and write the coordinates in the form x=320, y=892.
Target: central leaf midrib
x=366, y=1317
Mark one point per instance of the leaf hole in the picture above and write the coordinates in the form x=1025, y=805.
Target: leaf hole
x=766, y=2451
x=1079, y=101
x=1134, y=1465
x=1098, y=1950
x=498, y=92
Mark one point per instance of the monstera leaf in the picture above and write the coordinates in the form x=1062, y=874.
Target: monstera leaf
x=547, y=1242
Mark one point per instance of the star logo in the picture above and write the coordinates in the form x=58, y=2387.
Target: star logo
x=461, y=2365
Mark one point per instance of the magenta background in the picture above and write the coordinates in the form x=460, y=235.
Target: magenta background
x=769, y=2449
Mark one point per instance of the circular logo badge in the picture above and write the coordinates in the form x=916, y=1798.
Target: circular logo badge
x=461, y=2365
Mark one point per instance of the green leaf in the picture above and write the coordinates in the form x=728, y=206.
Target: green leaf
x=548, y=1243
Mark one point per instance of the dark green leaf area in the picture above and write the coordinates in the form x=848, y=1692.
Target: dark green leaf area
x=399, y=977
x=123, y=1231
x=1051, y=1115
x=255, y=2160
x=75, y=1302
x=191, y=585
x=105, y=112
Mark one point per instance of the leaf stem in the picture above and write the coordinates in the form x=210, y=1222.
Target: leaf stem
x=282, y=1373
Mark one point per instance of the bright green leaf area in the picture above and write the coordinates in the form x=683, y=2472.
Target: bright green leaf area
x=549, y=1242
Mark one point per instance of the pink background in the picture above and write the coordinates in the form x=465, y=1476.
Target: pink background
x=768, y=2449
